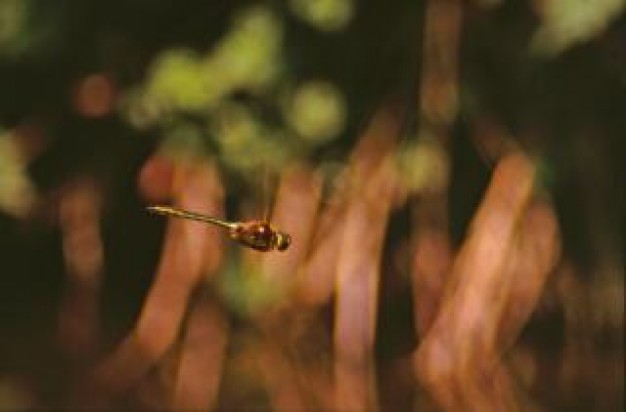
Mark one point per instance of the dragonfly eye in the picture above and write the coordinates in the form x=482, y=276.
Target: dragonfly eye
x=283, y=241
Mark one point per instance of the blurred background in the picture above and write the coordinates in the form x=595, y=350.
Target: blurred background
x=369, y=131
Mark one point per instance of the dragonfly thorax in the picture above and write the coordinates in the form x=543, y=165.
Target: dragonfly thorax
x=260, y=236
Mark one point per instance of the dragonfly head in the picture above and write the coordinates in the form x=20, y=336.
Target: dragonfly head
x=283, y=241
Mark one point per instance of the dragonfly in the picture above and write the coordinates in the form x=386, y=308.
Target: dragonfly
x=255, y=234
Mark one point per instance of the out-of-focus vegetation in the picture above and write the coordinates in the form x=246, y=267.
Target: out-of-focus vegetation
x=447, y=170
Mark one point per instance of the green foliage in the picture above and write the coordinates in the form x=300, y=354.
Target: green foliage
x=568, y=22
x=16, y=191
x=326, y=15
x=178, y=81
x=248, y=60
x=246, y=143
x=28, y=28
x=246, y=289
x=13, y=22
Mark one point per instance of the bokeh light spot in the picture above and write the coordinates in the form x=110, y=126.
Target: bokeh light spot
x=95, y=95
x=326, y=15
x=317, y=112
x=17, y=193
x=423, y=167
x=568, y=22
